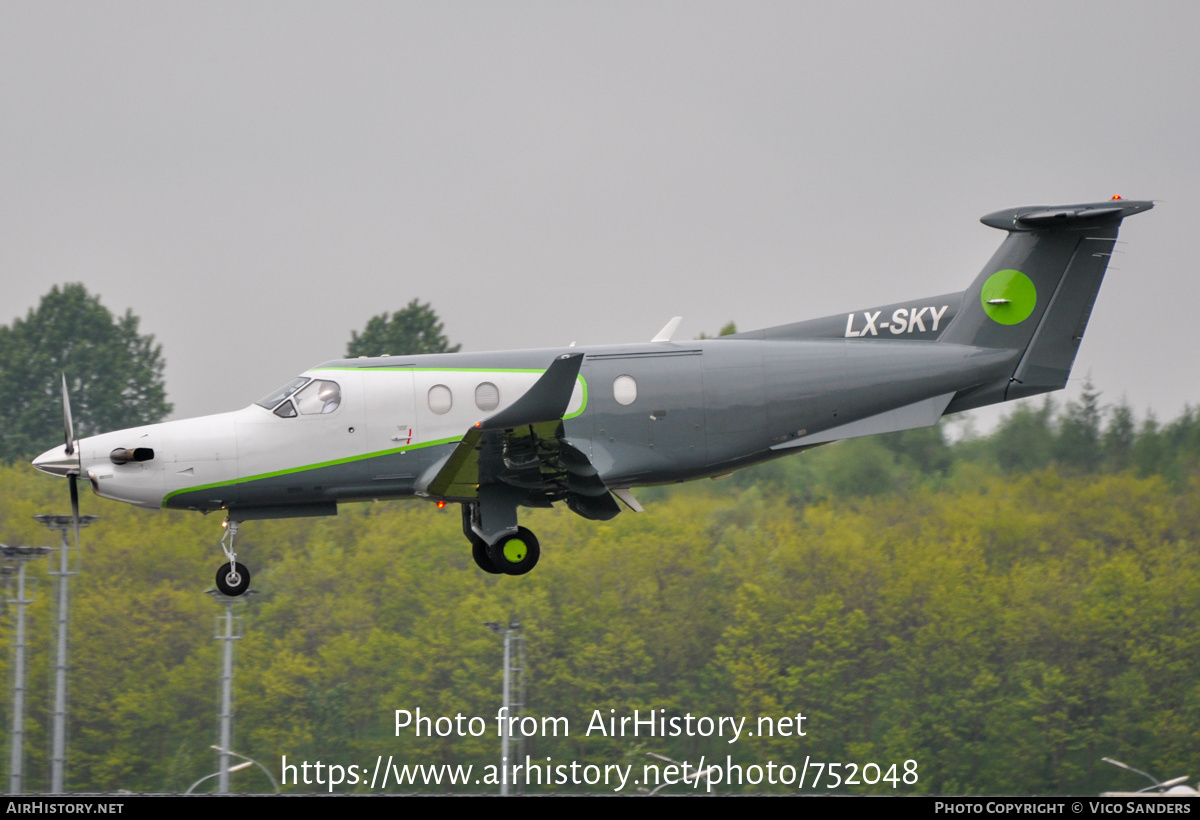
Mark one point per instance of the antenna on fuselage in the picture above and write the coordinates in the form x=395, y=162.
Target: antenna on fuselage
x=668, y=330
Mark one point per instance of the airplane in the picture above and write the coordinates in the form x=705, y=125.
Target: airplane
x=496, y=431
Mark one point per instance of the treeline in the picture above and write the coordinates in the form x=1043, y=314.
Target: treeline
x=1001, y=610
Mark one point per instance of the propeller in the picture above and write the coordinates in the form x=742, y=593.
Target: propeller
x=69, y=448
x=66, y=462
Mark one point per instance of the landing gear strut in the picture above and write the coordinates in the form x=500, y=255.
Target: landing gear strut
x=233, y=579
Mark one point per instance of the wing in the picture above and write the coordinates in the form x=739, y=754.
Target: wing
x=524, y=447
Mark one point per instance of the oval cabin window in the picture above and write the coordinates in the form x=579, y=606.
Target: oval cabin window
x=487, y=396
x=625, y=390
x=440, y=399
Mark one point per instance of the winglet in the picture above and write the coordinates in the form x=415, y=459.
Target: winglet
x=547, y=400
x=668, y=330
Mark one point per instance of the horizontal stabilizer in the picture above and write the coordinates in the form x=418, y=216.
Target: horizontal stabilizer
x=1041, y=217
x=923, y=413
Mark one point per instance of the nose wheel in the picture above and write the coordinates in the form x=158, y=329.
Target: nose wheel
x=233, y=579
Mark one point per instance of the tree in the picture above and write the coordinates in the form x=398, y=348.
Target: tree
x=729, y=329
x=1078, y=444
x=1025, y=439
x=1119, y=436
x=114, y=374
x=415, y=329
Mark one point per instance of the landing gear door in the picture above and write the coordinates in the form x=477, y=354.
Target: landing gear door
x=391, y=415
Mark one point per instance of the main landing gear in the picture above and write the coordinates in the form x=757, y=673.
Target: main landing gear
x=512, y=553
x=233, y=579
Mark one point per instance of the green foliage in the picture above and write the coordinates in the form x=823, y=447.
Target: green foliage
x=1077, y=444
x=114, y=374
x=410, y=331
x=1025, y=440
x=728, y=329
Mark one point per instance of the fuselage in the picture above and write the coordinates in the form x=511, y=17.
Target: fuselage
x=643, y=414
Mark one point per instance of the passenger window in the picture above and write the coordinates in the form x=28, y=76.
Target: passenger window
x=625, y=390
x=318, y=398
x=440, y=399
x=487, y=396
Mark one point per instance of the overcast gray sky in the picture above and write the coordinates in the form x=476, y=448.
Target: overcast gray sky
x=255, y=180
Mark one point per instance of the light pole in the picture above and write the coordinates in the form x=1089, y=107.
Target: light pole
x=225, y=716
x=511, y=707
x=58, y=756
x=22, y=555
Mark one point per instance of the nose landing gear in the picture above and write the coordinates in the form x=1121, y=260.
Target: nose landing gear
x=233, y=579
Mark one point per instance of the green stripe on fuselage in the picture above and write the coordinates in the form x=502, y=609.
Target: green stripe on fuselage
x=307, y=467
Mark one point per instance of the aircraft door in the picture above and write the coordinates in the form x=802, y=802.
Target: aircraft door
x=391, y=411
x=649, y=411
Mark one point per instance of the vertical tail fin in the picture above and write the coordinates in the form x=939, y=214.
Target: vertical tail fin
x=1036, y=293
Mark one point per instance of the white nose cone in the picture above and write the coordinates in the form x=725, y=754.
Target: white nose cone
x=55, y=461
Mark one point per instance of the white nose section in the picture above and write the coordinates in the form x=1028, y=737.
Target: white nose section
x=55, y=461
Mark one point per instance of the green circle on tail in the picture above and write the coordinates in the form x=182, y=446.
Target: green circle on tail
x=1008, y=297
x=515, y=550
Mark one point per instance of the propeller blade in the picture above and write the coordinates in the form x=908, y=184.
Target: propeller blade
x=68, y=427
x=73, y=480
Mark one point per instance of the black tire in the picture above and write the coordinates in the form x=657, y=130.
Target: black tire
x=516, y=554
x=233, y=587
x=479, y=551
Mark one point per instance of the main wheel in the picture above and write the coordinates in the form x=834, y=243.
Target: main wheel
x=479, y=551
x=516, y=554
x=233, y=582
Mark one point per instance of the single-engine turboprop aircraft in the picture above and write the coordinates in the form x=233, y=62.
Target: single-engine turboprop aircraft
x=501, y=430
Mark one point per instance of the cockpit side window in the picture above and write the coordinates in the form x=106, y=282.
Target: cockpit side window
x=318, y=397
x=271, y=399
x=286, y=410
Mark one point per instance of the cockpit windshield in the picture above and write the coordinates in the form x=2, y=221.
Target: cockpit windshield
x=273, y=398
x=319, y=398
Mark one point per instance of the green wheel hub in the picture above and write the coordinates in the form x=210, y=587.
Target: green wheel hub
x=515, y=554
x=515, y=550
